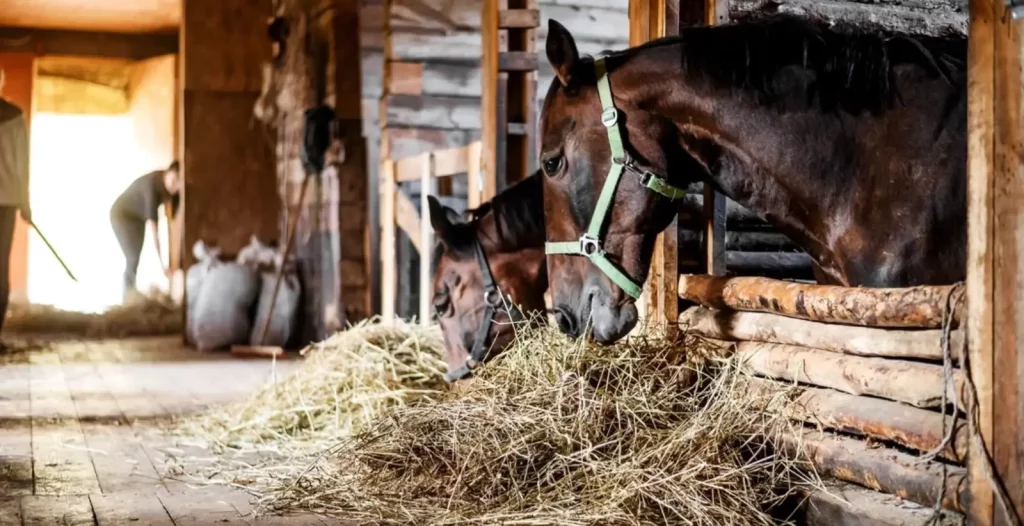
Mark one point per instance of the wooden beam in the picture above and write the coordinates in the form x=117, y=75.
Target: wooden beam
x=388, y=259
x=491, y=121
x=851, y=505
x=913, y=307
x=517, y=61
x=875, y=418
x=408, y=219
x=88, y=43
x=518, y=18
x=714, y=231
x=881, y=469
x=649, y=20
x=428, y=187
x=995, y=263
x=474, y=177
x=845, y=339
x=915, y=383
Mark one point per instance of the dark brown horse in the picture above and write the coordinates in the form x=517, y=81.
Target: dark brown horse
x=488, y=272
x=852, y=145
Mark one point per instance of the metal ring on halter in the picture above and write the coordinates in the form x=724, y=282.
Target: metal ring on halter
x=589, y=245
x=492, y=297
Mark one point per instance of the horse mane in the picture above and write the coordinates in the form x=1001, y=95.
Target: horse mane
x=519, y=213
x=851, y=70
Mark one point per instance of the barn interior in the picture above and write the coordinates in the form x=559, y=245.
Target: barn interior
x=432, y=98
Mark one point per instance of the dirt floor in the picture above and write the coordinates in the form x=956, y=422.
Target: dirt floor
x=80, y=439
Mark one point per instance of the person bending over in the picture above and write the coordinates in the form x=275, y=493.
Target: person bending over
x=136, y=208
x=13, y=186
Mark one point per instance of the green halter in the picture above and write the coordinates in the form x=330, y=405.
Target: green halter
x=589, y=244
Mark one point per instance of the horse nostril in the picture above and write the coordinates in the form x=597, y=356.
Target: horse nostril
x=566, y=322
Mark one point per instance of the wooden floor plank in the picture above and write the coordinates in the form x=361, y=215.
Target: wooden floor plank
x=130, y=508
x=49, y=391
x=67, y=510
x=15, y=458
x=60, y=459
x=10, y=511
x=15, y=393
x=89, y=392
x=119, y=459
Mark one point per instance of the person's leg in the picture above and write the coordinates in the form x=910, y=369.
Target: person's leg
x=7, y=216
x=130, y=234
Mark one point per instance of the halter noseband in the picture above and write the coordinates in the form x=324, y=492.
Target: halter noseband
x=590, y=244
x=493, y=300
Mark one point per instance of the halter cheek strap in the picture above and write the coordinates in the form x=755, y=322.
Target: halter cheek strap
x=590, y=244
x=492, y=302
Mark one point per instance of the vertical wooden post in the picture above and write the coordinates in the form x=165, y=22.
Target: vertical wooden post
x=649, y=20
x=388, y=261
x=509, y=91
x=995, y=264
x=20, y=73
x=428, y=185
x=715, y=12
x=474, y=182
x=352, y=272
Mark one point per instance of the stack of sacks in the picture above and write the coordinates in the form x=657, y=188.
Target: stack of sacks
x=224, y=297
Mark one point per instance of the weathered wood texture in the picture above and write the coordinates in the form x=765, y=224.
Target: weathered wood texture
x=862, y=341
x=882, y=469
x=649, y=21
x=20, y=77
x=924, y=17
x=849, y=505
x=912, y=307
x=915, y=383
x=230, y=193
x=874, y=418
x=995, y=279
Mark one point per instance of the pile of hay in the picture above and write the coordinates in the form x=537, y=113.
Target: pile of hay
x=153, y=314
x=559, y=432
x=346, y=382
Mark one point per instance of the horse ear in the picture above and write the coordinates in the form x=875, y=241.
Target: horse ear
x=444, y=220
x=562, y=52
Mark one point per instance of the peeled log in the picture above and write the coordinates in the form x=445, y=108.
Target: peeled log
x=914, y=383
x=882, y=469
x=901, y=424
x=847, y=339
x=913, y=307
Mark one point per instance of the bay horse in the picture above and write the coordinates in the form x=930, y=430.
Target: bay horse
x=489, y=272
x=853, y=145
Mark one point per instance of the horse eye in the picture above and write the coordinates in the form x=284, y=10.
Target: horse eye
x=442, y=304
x=552, y=166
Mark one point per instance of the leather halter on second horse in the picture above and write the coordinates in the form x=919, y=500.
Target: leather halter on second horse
x=493, y=300
x=589, y=244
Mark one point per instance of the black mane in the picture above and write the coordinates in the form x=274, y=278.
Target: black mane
x=851, y=70
x=520, y=220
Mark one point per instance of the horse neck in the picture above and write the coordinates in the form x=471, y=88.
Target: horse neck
x=744, y=160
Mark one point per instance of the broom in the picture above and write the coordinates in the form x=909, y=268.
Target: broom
x=274, y=351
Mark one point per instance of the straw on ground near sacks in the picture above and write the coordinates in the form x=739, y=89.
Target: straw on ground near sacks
x=346, y=382
x=153, y=314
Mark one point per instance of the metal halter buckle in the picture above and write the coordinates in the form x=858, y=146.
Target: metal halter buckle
x=589, y=245
x=492, y=297
x=610, y=117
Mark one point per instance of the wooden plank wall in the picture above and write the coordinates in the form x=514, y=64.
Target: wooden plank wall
x=995, y=264
x=230, y=191
x=331, y=238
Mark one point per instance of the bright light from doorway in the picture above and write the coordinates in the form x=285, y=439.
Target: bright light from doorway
x=79, y=165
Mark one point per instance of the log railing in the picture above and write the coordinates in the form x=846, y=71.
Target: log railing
x=398, y=210
x=871, y=377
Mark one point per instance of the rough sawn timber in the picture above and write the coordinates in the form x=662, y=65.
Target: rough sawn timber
x=921, y=307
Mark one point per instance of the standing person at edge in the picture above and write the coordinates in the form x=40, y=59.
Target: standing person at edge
x=13, y=186
x=135, y=208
